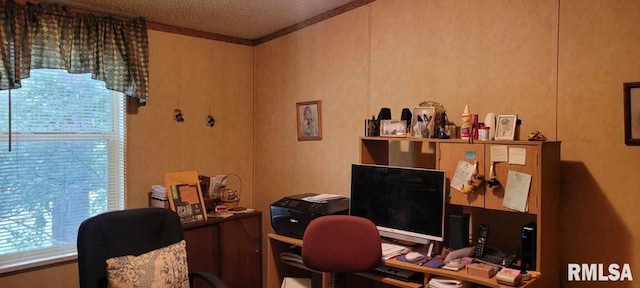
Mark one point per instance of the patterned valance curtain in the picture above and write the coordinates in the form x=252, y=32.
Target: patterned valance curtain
x=51, y=36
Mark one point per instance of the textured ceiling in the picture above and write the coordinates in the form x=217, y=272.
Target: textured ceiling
x=246, y=19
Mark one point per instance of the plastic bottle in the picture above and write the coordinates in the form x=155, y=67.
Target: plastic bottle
x=490, y=122
x=465, y=127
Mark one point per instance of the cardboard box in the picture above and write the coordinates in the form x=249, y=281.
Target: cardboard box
x=482, y=270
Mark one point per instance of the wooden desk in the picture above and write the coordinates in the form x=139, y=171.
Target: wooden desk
x=227, y=247
x=278, y=269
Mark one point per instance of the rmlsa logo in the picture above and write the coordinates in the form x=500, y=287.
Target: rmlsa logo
x=596, y=272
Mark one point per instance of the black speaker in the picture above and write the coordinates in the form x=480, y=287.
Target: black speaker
x=384, y=114
x=406, y=115
x=458, y=230
x=529, y=246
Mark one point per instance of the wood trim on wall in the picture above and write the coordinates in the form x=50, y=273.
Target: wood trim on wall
x=313, y=20
x=242, y=41
x=199, y=34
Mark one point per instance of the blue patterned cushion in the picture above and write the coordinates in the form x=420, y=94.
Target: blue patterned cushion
x=163, y=267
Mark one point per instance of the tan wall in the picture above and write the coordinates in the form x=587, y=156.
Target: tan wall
x=201, y=77
x=327, y=62
x=559, y=65
x=600, y=200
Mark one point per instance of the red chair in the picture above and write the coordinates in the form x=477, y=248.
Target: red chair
x=340, y=244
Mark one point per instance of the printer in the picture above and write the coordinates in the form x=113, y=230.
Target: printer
x=291, y=215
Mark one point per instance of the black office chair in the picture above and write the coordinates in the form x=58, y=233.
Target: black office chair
x=341, y=244
x=128, y=232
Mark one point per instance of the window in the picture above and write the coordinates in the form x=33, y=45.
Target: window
x=66, y=134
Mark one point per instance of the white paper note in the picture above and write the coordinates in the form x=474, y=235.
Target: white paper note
x=518, y=156
x=516, y=192
x=464, y=172
x=499, y=153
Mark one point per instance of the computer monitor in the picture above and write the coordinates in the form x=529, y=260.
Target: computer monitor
x=404, y=203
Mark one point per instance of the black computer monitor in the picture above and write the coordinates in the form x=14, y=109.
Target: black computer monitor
x=404, y=203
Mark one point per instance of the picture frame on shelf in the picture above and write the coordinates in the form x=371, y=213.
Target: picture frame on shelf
x=632, y=113
x=423, y=122
x=309, y=118
x=506, y=127
x=393, y=128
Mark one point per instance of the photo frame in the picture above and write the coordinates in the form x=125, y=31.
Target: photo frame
x=632, y=114
x=506, y=127
x=185, y=196
x=309, y=118
x=421, y=128
x=393, y=128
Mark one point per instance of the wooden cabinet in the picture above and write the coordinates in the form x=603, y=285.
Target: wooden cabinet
x=227, y=247
x=240, y=253
x=541, y=160
x=449, y=155
x=203, y=244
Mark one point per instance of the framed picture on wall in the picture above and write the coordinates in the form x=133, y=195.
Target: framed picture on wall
x=309, y=117
x=632, y=113
x=506, y=127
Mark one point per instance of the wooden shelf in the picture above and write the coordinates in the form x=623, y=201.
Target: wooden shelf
x=389, y=280
x=436, y=140
x=458, y=275
x=427, y=272
x=285, y=239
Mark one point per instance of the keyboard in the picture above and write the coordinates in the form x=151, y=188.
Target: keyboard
x=497, y=258
x=396, y=273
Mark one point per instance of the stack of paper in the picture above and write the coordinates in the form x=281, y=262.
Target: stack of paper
x=391, y=250
x=158, y=192
x=322, y=198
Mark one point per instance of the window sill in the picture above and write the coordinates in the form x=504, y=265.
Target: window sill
x=26, y=266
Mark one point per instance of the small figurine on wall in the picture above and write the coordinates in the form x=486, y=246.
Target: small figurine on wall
x=211, y=121
x=177, y=115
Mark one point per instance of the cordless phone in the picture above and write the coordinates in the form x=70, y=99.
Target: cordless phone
x=481, y=243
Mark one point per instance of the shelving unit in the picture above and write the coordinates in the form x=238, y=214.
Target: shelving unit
x=278, y=269
x=542, y=162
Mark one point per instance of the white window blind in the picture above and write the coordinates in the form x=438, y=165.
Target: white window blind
x=66, y=163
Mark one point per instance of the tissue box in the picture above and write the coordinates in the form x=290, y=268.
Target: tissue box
x=290, y=282
x=482, y=270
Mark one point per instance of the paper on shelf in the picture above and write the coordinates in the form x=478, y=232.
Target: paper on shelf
x=159, y=192
x=391, y=250
x=516, y=192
